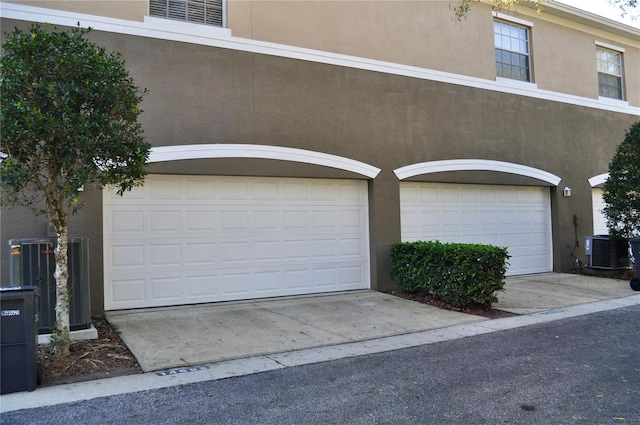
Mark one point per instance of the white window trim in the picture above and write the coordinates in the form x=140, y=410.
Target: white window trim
x=610, y=100
x=610, y=46
x=527, y=85
x=614, y=102
x=512, y=19
x=522, y=85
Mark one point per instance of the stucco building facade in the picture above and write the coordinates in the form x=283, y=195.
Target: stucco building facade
x=295, y=141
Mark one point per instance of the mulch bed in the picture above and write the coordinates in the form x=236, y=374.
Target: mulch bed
x=99, y=358
x=478, y=310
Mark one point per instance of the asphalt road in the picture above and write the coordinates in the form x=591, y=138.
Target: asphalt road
x=583, y=370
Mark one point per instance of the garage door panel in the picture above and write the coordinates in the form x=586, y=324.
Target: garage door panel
x=166, y=288
x=127, y=291
x=352, y=275
x=268, y=283
x=200, y=254
x=126, y=256
x=351, y=248
x=201, y=286
x=126, y=222
x=187, y=239
x=199, y=221
x=515, y=217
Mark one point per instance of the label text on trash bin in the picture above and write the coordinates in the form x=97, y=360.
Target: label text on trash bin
x=8, y=313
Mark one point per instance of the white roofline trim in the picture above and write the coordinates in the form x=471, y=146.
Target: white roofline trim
x=598, y=180
x=215, y=37
x=475, y=165
x=206, y=151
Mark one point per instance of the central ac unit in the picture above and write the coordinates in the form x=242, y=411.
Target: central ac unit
x=33, y=262
x=607, y=253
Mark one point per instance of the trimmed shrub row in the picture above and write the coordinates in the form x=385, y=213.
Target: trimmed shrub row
x=460, y=274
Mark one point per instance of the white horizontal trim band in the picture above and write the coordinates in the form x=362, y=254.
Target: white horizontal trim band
x=205, y=151
x=177, y=31
x=474, y=165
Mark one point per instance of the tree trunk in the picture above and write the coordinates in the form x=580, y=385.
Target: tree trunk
x=62, y=295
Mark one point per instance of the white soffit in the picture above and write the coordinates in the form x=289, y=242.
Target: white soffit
x=180, y=152
x=474, y=165
x=598, y=180
x=222, y=38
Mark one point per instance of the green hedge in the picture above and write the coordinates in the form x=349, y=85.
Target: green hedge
x=460, y=274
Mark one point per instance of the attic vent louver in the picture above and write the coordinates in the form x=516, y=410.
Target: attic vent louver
x=198, y=11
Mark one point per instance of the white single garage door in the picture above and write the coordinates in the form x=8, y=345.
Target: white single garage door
x=516, y=217
x=599, y=219
x=193, y=239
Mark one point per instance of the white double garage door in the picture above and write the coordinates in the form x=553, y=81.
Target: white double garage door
x=195, y=239
x=515, y=217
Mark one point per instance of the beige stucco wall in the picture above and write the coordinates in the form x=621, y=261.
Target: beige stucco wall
x=419, y=33
x=565, y=60
x=423, y=34
x=415, y=33
x=133, y=10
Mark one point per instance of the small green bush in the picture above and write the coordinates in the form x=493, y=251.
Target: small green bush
x=460, y=274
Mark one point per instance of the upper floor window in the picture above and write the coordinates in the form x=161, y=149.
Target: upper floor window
x=512, y=51
x=609, y=73
x=198, y=11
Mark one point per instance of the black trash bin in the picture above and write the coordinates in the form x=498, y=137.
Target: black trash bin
x=19, y=338
x=635, y=250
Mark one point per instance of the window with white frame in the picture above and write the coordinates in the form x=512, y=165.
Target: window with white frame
x=198, y=11
x=609, y=64
x=512, y=51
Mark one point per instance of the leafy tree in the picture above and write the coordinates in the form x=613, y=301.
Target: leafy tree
x=626, y=7
x=621, y=192
x=68, y=113
x=461, y=11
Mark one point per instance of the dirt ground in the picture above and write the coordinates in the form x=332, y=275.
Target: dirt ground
x=99, y=358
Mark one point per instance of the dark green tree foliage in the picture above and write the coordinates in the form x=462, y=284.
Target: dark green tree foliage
x=621, y=192
x=69, y=118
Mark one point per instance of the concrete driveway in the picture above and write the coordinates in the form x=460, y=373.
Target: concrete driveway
x=548, y=291
x=165, y=338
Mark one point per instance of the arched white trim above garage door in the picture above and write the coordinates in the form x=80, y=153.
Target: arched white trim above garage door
x=475, y=165
x=204, y=151
x=598, y=180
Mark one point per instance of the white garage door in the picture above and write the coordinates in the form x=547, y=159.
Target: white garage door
x=516, y=217
x=599, y=219
x=193, y=239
